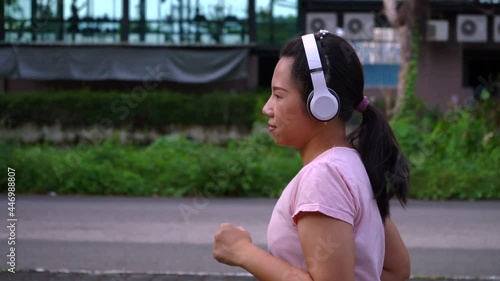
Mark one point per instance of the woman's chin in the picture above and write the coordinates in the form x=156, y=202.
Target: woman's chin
x=279, y=142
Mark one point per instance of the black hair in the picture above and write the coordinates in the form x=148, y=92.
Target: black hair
x=384, y=162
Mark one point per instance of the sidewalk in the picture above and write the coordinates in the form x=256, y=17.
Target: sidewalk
x=163, y=235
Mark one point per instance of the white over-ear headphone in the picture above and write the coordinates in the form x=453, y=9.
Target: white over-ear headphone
x=323, y=103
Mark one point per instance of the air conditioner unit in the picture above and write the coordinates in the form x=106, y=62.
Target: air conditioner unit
x=437, y=30
x=472, y=28
x=496, y=29
x=316, y=21
x=358, y=26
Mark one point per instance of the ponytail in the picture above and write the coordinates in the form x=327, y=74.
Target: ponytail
x=387, y=168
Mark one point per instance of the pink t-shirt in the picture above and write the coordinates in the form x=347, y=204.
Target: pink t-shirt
x=336, y=184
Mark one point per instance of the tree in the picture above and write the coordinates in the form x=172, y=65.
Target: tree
x=283, y=3
x=409, y=18
x=14, y=15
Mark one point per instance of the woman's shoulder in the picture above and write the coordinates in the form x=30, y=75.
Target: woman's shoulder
x=337, y=157
x=336, y=163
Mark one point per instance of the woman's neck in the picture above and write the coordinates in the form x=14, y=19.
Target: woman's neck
x=321, y=143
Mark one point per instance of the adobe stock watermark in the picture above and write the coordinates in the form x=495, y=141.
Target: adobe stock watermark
x=12, y=219
x=130, y=277
x=222, y=179
x=489, y=85
x=367, y=31
x=36, y=24
x=322, y=251
x=121, y=106
x=111, y=275
x=429, y=147
x=219, y=181
x=425, y=149
x=7, y=121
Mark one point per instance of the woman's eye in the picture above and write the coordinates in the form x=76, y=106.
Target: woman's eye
x=278, y=97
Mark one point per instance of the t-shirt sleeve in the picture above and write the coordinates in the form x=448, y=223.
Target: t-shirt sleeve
x=323, y=189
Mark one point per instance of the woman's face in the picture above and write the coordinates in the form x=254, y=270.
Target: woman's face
x=289, y=122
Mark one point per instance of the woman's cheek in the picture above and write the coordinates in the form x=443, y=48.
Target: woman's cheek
x=286, y=115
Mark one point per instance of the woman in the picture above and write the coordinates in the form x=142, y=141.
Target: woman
x=332, y=220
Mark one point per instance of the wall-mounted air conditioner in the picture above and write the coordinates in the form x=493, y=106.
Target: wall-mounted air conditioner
x=316, y=21
x=437, y=30
x=496, y=29
x=472, y=28
x=358, y=26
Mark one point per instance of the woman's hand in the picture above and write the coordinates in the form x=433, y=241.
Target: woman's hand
x=397, y=260
x=230, y=244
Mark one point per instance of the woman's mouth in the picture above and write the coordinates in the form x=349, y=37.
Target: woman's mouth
x=271, y=128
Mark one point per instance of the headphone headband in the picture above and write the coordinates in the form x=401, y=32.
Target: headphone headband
x=314, y=63
x=312, y=53
x=322, y=103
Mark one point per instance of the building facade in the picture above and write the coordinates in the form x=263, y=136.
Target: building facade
x=205, y=44
x=459, y=53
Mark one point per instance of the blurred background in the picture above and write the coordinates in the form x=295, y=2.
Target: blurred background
x=84, y=83
x=163, y=98
x=75, y=75
x=258, y=28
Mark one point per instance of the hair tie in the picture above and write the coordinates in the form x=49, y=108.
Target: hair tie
x=361, y=107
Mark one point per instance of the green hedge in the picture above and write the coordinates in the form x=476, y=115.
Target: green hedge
x=453, y=162
x=254, y=167
x=456, y=156
x=168, y=167
x=453, y=156
x=148, y=109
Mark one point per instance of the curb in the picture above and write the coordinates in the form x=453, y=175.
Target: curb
x=43, y=275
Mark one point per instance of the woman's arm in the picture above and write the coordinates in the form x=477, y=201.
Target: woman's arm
x=327, y=243
x=266, y=267
x=233, y=246
x=397, y=259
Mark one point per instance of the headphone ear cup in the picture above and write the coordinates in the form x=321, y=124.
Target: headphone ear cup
x=309, y=99
x=332, y=100
x=337, y=100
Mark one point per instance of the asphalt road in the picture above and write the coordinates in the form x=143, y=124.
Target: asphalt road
x=175, y=235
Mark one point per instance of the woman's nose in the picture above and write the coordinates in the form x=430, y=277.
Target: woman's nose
x=267, y=109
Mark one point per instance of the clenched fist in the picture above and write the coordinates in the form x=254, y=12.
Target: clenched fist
x=230, y=244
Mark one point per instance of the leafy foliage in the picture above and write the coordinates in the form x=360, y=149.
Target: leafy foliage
x=454, y=155
x=168, y=167
x=154, y=109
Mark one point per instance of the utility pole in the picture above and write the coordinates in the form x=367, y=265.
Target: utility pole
x=197, y=18
x=189, y=19
x=142, y=20
x=159, y=21
x=2, y=20
x=125, y=22
x=34, y=20
x=251, y=21
x=181, y=21
x=271, y=21
x=60, y=21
